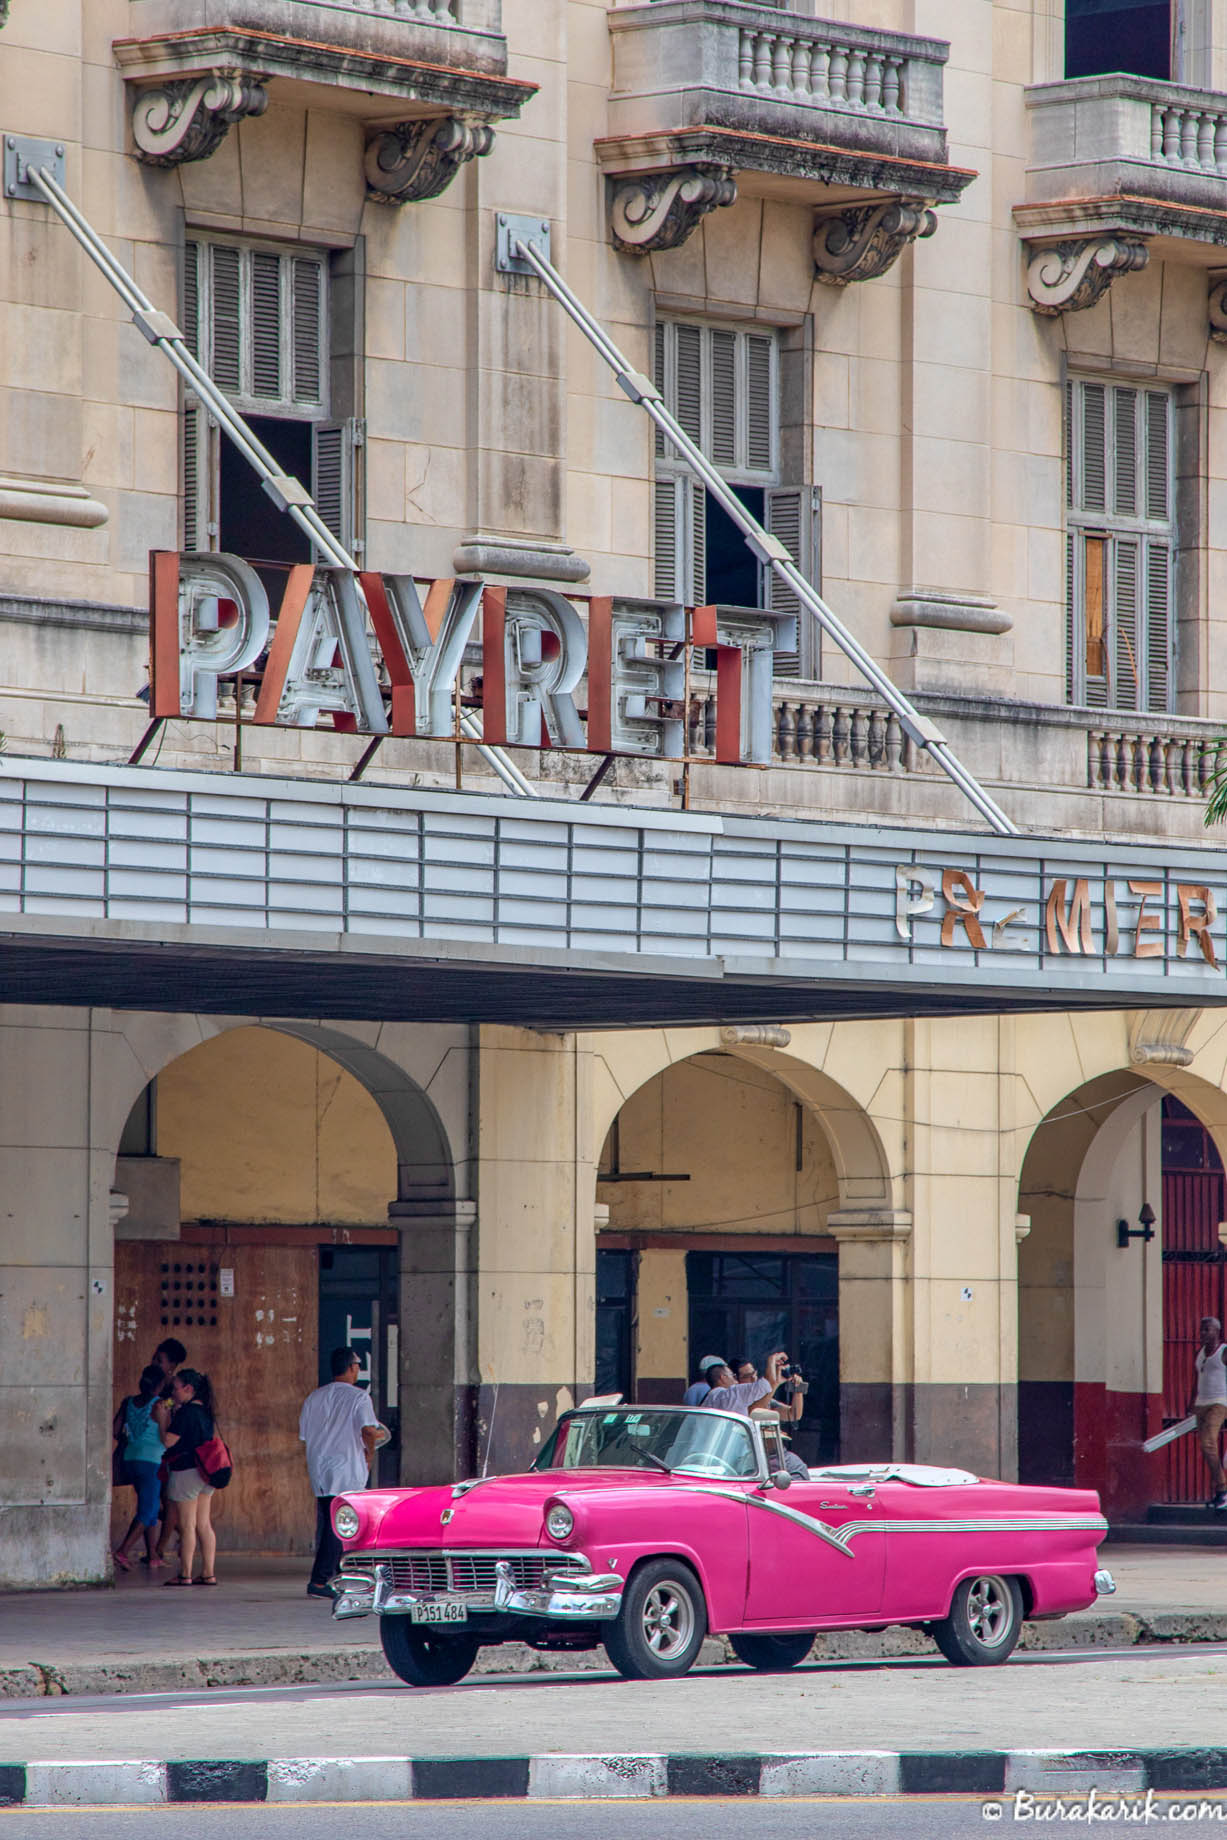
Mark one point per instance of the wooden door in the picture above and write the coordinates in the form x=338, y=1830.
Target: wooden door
x=258, y=1347
x=1194, y=1264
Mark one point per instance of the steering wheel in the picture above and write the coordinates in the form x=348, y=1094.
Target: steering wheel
x=705, y=1464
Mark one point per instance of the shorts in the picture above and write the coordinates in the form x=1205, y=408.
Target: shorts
x=144, y=1479
x=187, y=1484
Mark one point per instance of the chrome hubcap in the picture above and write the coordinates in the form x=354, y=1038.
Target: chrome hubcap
x=668, y=1619
x=989, y=1611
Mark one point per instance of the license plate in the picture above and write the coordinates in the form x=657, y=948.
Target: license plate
x=439, y=1613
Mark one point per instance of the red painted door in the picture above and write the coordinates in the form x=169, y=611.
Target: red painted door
x=1194, y=1266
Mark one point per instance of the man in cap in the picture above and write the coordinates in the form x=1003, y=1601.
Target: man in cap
x=696, y=1394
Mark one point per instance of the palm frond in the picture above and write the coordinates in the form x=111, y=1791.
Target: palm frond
x=1214, y=768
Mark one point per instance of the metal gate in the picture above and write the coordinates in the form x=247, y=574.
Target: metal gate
x=1194, y=1270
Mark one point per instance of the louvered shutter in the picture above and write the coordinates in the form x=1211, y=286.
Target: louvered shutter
x=792, y=514
x=1125, y=452
x=226, y=317
x=724, y=398
x=666, y=525
x=1073, y=673
x=307, y=328
x=1128, y=687
x=1069, y=444
x=760, y=402
x=191, y=298
x=695, y=565
x=199, y=462
x=688, y=379
x=265, y=321
x=1095, y=622
x=334, y=477
x=1158, y=459
x=1094, y=440
x=658, y=376
x=1158, y=625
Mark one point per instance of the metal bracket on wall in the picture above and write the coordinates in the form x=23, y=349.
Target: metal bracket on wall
x=21, y=156
x=512, y=231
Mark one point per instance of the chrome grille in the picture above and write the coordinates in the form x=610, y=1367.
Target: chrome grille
x=461, y=1572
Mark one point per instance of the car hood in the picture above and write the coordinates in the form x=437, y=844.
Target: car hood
x=497, y=1511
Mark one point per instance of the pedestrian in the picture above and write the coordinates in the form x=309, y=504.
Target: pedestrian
x=730, y=1395
x=166, y=1357
x=187, y=1423
x=696, y=1394
x=137, y=1422
x=1208, y=1403
x=340, y=1430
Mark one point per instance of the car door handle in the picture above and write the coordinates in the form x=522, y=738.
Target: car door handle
x=864, y=1490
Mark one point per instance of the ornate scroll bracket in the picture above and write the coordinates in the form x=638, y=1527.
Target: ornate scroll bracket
x=1070, y=276
x=1217, y=309
x=419, y=159
x=660, y=210
x=861, y=243
x=1161, y=1035
x=188, y=120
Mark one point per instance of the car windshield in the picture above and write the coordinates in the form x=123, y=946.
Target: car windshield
x=693, y=1443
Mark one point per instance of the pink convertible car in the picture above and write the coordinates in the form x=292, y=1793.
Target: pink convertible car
x=648, y=1527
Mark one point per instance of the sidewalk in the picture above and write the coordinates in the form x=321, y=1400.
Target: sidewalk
x=260, y=1629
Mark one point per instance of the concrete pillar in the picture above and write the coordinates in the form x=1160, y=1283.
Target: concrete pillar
x=436, y=1345
x=56, y=1255
x=875, y=1362
x=536, y=1243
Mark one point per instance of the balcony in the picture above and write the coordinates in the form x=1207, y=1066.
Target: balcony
x=1125, y=161
x=778, y=103
x=196, y=66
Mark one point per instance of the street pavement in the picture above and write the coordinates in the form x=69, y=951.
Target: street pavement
x=259, y=1628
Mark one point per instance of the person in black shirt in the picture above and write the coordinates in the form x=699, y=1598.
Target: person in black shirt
x=186, y=1424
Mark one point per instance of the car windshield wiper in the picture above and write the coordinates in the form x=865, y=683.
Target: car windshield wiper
x=651, y=1457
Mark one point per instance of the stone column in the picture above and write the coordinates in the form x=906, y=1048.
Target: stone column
x=436, y=1388
x=56, y=1256
x=875, y=1363
x=536, y=1243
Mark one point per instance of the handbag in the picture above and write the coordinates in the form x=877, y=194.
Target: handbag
x=214, y=1463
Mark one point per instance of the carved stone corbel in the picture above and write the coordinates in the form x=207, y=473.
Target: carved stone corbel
x=188, y=120
x=860, y=243
x=1067, y=277
x=419, y=159
x=1217, y=309
x=1161, y=1035
x=660, y=210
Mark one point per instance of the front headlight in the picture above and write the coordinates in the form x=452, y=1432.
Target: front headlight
x=559, y=1521
x=345, y=1521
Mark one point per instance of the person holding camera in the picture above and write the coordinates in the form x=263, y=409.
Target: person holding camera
x=732, y=1395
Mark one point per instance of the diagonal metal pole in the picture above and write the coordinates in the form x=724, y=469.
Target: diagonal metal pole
x=919, y=729
x=287, y=493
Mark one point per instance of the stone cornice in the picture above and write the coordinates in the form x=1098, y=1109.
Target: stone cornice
x=1120, y=215
x=741, y=152
x=869, y=1225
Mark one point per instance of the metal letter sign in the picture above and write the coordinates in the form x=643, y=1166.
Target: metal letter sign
x=210, y=619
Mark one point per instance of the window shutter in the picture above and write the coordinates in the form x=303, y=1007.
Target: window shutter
x=307, y=327
x=1158, y=461
x=792, y=513
x=1094, y=637
x=200, y=437
x=689, y=380
x=1073, y=640
x=666, y=491
x=760, y=448
x=334, y=480
x=1125, y=453
x=226, y=319
x=658, y=375
x=1069, y=444
x=1158, y=625
x=191, y=298
x=1094, y=459
x=266, y=325
x=1128, y=686
x=694, y=565
x=724, y=398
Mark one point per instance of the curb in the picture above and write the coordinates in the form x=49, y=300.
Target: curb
x=332, y=1666
x=563, y=1777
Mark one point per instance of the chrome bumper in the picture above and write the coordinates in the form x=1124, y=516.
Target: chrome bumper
x=1105, y=1584
x=571, y=1596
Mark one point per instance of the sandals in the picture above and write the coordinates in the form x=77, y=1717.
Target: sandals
x=180, y=1580
x=203, y=1580
x=122, y=1561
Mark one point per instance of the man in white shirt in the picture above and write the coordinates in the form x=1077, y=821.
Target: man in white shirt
x=730, y=1395
x=339, y=1427
x=1209, y=1403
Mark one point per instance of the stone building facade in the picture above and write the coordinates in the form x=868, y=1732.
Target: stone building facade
x=943, y=295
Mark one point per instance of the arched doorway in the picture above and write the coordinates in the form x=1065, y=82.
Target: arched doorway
x=259, y=1171
x=1194, y=1278
x=714, y=1187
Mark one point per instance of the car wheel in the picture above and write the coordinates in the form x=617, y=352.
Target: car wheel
x=661, y=1624
x=772, y=1654
x=422, y=1658
x=985, y=1622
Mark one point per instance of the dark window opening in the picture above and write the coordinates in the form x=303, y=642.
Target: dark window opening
x=250, y=524
x=1108, y=35
x=615, y=1298
x=732, y=567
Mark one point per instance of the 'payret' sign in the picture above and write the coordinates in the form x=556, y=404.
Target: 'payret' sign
x=211, y=619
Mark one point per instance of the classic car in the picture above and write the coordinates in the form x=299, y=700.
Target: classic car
x=646, y=1528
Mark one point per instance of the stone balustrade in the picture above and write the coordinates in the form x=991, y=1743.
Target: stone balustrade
x=823, y=70
x=823, y=728
x=1137, y=758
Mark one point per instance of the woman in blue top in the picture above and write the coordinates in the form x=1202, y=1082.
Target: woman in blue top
x=137, y=1423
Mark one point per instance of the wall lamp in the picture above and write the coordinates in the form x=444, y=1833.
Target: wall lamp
x=1124, y=1232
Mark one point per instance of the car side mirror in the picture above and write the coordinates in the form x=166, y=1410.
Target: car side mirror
x=781, y=1479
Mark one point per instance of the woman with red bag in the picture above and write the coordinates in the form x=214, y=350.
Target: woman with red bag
x=188, y=1425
